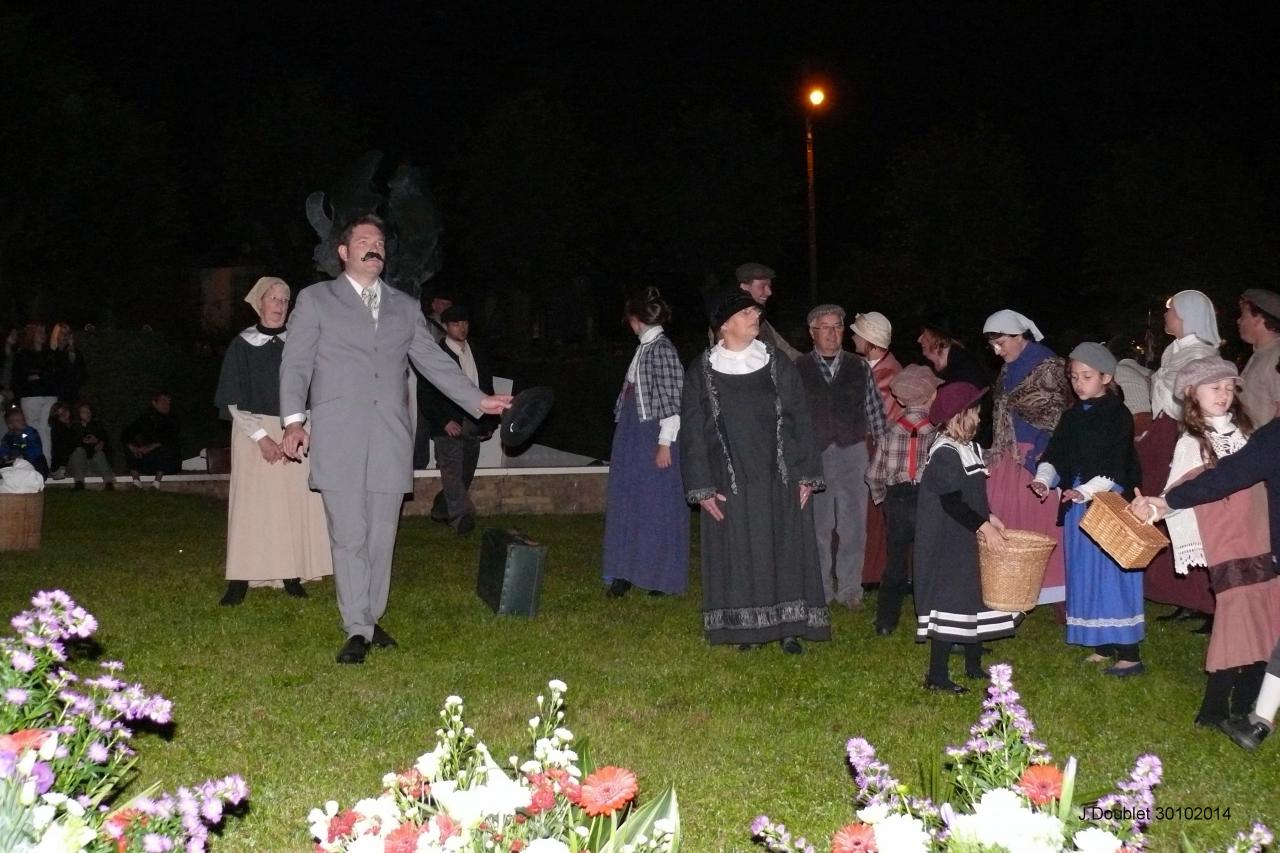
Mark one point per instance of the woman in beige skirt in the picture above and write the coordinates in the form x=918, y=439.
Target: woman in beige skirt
x=276, y=530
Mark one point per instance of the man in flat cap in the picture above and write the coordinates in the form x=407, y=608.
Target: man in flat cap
x=757, y=280
x=1259, y=326
x=456, y=433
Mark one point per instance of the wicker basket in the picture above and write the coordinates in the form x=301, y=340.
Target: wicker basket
x=1128, y=541
x=1011, y=577
x=21, y=519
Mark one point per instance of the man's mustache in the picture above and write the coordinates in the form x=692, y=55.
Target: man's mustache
x=370, y=255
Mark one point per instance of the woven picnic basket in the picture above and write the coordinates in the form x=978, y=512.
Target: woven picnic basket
x=21, y=521
x=1011, y=577
x=1130, y=542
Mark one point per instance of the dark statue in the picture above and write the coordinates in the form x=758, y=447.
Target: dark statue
x=413, y=241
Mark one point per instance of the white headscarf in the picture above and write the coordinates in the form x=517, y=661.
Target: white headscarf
x=1197, y=315
x=1006, y=322
x=263, y=286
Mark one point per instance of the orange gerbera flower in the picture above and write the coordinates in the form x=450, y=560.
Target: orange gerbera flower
x=1041, y=783
x=607, y=790
x=26, y=739
x=854, y=838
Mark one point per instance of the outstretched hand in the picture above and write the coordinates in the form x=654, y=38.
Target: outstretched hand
x=1148, y=508
x=495, y=404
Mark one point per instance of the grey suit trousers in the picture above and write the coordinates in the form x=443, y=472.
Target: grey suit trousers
x=842, y=508
x=362, y=538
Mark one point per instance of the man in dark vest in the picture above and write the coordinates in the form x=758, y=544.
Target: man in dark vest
x=847, y=410
x=457, y=435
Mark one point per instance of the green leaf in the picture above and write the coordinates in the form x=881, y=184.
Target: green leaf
x=582, y=746
x=641, y=822
x=1187, y=846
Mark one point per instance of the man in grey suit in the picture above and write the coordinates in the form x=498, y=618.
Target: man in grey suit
x=348, y=350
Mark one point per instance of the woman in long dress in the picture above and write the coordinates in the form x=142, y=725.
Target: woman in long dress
x=646, y=523
x=1188, y=317
x=748, y=458
x=1031, y=394
x=276, y=530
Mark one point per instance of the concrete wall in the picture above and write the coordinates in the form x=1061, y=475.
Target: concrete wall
x=562, y=491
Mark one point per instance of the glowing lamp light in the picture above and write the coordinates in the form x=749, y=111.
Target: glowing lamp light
x=816, y=97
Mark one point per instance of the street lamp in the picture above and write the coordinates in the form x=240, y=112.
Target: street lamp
x=816, y=98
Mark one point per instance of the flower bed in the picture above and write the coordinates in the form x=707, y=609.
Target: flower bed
x=1002, y=794
x=457, y=798
x=67, y=752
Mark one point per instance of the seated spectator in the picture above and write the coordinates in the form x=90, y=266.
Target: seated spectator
x=64, y=440
x=90, y=454
x=22, y=442
x=151, y=442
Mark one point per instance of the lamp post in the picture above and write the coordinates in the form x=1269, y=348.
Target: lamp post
x=815, y=98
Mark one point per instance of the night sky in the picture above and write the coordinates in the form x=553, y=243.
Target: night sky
x=1064, y=81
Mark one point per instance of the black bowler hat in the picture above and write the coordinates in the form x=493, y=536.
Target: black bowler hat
x=527, y=412
x=455, y=314
x=723, y=302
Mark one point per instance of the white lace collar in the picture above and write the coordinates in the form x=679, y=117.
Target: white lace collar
x=650, y=334
x=969, y=452
x=257, y=339
x=748, y=360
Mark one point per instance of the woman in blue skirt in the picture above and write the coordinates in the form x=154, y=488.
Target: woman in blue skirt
x=646, y=527
x=1090, y=452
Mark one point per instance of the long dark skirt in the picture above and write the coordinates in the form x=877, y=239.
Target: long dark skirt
x=1160, y=582
x=760, y=579
x=646, y=525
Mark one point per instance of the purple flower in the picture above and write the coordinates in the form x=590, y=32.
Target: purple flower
x=16, y=696
x=22, y=661
x=155, y=843
x=759, y=824
x=98, y=753
x=43, y=775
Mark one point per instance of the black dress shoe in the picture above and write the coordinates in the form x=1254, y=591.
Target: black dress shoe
x=236, y=591
x=293, y=586
x=748, y=647
x=465, y=525
x=618, y=588
x=947, y=686
x=382, y=639
x=1205, y=628
x=1177, y=613
x=1245, y=734
x=883, y=630
x=353, y=650
x=657, y=593
x=791, y=645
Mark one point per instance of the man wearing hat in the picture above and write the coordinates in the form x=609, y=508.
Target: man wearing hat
x=1259, y=326
x=456, y=433
x=872, y=333
x=344, y=368
x=847, y=411
x=757, y=280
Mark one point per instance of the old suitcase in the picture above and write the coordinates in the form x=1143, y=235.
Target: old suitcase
x=511, y=567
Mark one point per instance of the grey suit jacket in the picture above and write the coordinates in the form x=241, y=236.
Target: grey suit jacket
x=355, y=377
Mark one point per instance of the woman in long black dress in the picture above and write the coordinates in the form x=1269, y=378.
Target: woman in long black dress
x=748, y=458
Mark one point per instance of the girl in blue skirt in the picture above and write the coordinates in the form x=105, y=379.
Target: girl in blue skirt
x=1092, y=451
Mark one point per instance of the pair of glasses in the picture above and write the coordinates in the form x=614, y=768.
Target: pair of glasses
x=826, y=328
x=277, y=300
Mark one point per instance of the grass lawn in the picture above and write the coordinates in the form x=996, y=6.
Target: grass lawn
x=256, y=691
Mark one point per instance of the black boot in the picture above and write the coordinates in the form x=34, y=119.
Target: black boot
x=1215, y=707
x=1244, y=691
x=236, y=591
x=293, y=586
x=1177, y=613
x=618, y=588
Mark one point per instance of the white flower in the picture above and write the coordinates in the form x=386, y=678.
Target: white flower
x=388, y=779
x=366, y=844
x=452, y=701
x=65, y=836
x=547, y=845
x=43, y=815
x=428, y=764
x=564, y=734
x=557, y=686
x=582, y=831
x=873, y=814
x=50, y=747
x=900, y=833
x=1094, y=840
x=663, y=826
x=534, y=722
